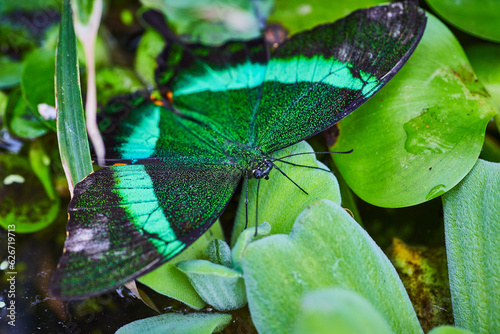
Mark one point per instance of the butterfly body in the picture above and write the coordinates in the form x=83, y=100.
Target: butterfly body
x=230, y=108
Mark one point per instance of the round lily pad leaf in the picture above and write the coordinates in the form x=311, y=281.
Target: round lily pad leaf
x=114, y=81
x=422, y=133
x=478, y=18
x=37, y=84
x=10, y=72
x=300, y=15
x=150, y=46
x=484, y=58
x=281, y=201
x=24, y=201
x=20, y=120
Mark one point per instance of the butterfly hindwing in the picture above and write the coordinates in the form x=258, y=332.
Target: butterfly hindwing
x=127, y=220
x=136, y=130
x=318, y=77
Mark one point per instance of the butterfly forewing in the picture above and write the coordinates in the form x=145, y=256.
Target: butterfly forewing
x=127, y=220
x=318, y=77
x=217, y=86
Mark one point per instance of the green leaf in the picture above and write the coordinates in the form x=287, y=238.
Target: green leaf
x=83, y=10
x=491, y=149
x=214, y=22
x=219, y=252
x=422, y=133
x=40, y=164
x=478, y=18
x=150, y=46
x=484, y=59
x=300, y=15
x=280, y=201
x=3, y=105
x=217, y=285
x=472, y=216
x=449, y=330
x=342, y=310
x=170, y=281
x=71, y=134
x=20, y=120
x=325, y=249
x=174, y=323
x=114, y=81
x=37, y=84
x=10, y=72
x=246, y=237
x=29, y=5
x=24, y=201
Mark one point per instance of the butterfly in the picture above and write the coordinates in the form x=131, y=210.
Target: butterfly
x=174, y=168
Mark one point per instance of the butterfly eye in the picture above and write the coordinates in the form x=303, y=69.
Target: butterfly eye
x=263, y=170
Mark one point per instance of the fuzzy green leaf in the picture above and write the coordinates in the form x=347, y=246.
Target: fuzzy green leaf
x=422, y=133
x=325, y=249
x=449, y=330
x=472, y=216
x=218, y=252
x=217, y=285
x=245, y=238
x=339, y=311
x=175, y=323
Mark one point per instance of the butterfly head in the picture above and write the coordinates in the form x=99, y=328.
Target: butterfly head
x=263, y=170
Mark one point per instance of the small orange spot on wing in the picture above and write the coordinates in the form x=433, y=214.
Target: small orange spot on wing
x=170, y=97
x=118, y=164
x=155, y=100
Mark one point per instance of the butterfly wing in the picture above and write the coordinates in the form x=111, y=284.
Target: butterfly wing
x=136, y=130
x=127, y=220
x=318, y=77
x=215, y=86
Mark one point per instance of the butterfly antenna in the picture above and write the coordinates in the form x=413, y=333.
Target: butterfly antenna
x=297, y=165
x=328, y=152
x=257, y=209
x=274, y=166
x=246, y=202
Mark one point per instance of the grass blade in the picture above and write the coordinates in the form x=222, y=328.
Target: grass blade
x=71, y=134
